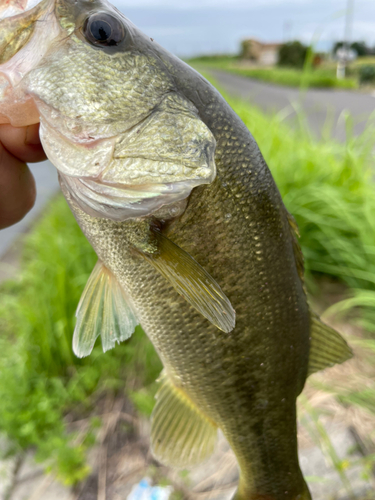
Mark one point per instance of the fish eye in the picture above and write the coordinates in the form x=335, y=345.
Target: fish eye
x=103, y=30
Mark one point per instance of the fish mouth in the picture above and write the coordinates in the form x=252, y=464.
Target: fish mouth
x=109, y=180
x=139, y=171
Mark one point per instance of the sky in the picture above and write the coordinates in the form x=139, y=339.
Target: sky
x=193, y=27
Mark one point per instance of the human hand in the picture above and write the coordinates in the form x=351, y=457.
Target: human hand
x=17, y=185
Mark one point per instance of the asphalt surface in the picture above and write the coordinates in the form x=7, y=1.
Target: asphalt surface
x=323, y=109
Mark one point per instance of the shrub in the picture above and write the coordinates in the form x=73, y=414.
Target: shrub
x=292, y=54
x=367, y=74
x=361, y=48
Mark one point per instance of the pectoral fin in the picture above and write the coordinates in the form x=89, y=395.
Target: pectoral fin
x=327, y=347
x=191, y=281
x=103, y=310
x=181, y=435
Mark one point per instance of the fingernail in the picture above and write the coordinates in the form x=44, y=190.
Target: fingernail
x=32, y=135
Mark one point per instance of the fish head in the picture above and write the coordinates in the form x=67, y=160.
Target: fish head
x=124, y=139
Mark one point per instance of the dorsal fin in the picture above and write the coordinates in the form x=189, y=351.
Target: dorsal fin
x=191, y=281
x=181, y=435
x=327, y=347
x=103, y=310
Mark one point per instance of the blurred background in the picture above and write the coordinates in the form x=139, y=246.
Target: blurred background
x=301, y=75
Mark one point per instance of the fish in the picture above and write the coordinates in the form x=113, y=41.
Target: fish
x=193, y=240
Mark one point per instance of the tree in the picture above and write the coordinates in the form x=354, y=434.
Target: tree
x=292, y=54
x=360, y=47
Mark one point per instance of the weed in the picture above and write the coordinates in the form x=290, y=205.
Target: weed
x=40, y=378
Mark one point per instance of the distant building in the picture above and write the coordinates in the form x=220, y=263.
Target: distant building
x=259, y=52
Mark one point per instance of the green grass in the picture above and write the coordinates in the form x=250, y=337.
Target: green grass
x=328, y=187
x=40, y=378
x=318, y=78
x=363, y=61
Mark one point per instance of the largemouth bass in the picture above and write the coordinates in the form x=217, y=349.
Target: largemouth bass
x=193, y=240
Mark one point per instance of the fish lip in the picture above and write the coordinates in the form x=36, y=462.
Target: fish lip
x=128, y=201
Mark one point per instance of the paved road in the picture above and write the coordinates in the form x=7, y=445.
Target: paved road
x=321, y=106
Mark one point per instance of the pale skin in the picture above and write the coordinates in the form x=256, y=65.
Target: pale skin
x=18, y=146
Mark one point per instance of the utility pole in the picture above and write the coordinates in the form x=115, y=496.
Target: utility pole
x=343, y=58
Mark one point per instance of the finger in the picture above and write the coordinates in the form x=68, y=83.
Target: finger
x=22, y=142
x=17, y=189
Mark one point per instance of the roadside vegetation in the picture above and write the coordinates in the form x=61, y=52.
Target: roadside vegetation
x=297, y=65
x=329, y=189
x=322, y=77
x=41, y=380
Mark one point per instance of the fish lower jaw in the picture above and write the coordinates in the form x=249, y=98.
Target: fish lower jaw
x=124, y=202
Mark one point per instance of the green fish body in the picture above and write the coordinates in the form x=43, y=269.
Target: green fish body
x=204, y=256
